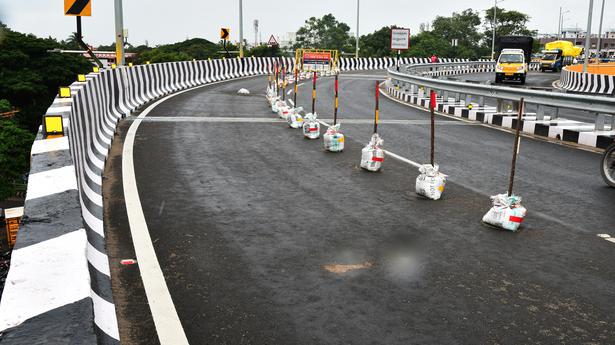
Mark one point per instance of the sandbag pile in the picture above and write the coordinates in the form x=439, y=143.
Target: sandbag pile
x=334, y=139
x=284, y=111
x=507, y=212
x=311, y=127
x=430, y=182
x=372, y=154
x=276, y=105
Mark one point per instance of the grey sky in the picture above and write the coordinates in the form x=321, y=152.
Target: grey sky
x=164, y=21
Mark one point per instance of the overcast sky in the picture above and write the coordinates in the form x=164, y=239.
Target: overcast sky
x=164, y=21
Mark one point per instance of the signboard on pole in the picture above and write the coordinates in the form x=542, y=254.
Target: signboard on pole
x=400, y=39
x=272, y=41
x=225, y=33
x=82, y=8
x=316, y=61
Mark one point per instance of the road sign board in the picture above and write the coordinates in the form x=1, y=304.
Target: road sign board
x=315, y=61
x=81, y=8
x=225, y=33
x=272, y=41
x=400, y=39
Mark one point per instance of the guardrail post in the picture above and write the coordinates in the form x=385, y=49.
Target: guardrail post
x=468, y=99
x=540, y=112
x=457, y=98
x=481, y=101
x=600, y=121
x=445, y=96
x=555, y=113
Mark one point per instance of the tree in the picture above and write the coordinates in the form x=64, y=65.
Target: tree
x=265, y=50
x=464, y=27
x=15, y=146
x=195, y=48
x=376, y=44
x=508, y=23
x=324, y=33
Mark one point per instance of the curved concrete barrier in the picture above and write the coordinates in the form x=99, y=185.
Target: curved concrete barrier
x=574, y=80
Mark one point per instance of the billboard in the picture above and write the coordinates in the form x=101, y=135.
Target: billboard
x=400, y=39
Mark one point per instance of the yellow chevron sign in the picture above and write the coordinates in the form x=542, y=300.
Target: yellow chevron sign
x=81, y=8
x=225, y=33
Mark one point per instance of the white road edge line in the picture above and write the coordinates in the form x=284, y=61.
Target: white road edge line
x=168, y=326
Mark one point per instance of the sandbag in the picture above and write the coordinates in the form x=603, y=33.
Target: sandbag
x=275, y=106
x=311, y=127
x=294, y=119
x=507, y=212
x=283, y=112
x=430, y=182
x=334, y=139
x=372, y=154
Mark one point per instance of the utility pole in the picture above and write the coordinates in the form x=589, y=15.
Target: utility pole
x=588, y=35
x=357, y=34
x=240, y=28
x=119, y=34
x=255, y=32
x=600, y=33
x=559, y=24
x=495, y=23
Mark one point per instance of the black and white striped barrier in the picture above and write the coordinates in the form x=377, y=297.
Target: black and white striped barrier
x=557, y=128
x=587, y=82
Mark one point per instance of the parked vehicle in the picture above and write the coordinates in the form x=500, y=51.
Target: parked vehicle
x=607, y=165
x=552, y=60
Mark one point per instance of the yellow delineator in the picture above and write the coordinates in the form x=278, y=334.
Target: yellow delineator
x=130, y=64
x=53, y=126
x=81, y=78
x=64, y=92
x=113, y=65
x=95, y=69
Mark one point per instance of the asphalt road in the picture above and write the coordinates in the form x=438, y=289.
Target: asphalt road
x=265, y=238
x=535, y=80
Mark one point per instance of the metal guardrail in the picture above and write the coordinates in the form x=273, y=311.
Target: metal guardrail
x=412, y=77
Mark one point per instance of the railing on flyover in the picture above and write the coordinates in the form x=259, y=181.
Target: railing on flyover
x=412, y=78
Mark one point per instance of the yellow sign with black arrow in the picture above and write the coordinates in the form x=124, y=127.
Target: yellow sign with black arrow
x=225, y=33
x=81, y=8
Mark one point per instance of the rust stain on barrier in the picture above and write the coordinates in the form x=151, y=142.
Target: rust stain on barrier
x=343, y=268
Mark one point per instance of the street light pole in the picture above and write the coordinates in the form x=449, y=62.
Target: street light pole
x=240, y=28
x=119, y=34
x=495, y=23
x=559, y=24
x=588, y=35
x=600, y=32
x=357, y=34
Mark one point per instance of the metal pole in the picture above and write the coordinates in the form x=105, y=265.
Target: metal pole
x=398, y=54
x=284, y=83
x=559, y=23
x=495, y=25
x=432, y=105
x=296, y=87
x=377, y=112
x=588, y=34
x=357, y=34
x=240, y=28
x=336, y=101
x=314, y=92
x=515, y=148
x=119, y=34
x=600, y=32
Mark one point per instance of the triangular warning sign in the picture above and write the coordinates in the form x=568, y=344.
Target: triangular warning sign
x=272, y=41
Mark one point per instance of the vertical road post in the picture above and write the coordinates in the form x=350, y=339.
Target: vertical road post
x=515, y=148
x=398, y=55
x=296, y=87
x=377, y=110
x=432, y=106
x=313, y=92
x=277, y=92
x=336, y=101
x=284, y=83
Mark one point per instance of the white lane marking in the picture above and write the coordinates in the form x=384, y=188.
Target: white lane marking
x=49, y=145
x=291, y=102
x=273, y=120
x=45, y=276
x=168, y=326
x=289, y=92
x=51, y=182
x=607, y=237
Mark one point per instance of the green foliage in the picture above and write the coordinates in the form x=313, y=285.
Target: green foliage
x=195, y=48
x=325, y=33
x=5, y=105
x=15, y=146
x=30, y=76
x=508, y=23
x=265, y=50
x=376, y=44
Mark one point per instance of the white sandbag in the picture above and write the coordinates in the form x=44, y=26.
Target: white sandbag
x=311, y=127
x=283, y=112
x=294, y=119
x=275, y=107
x=430, y=182
x=334, y=139
x=270, y=95
x=507, y=212
x=372, y=154
x=243, y=92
